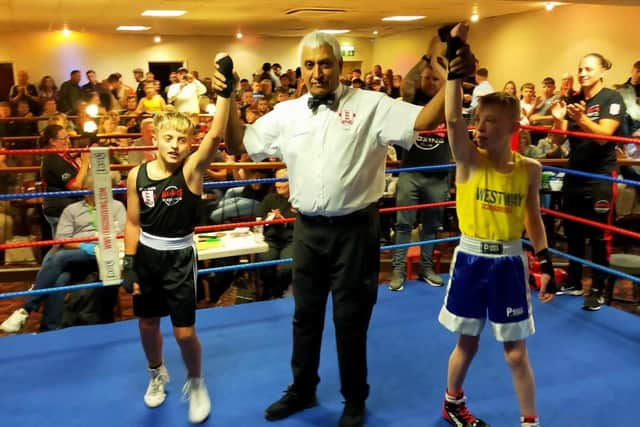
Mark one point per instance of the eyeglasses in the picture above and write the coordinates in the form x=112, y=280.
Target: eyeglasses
x=66, y=138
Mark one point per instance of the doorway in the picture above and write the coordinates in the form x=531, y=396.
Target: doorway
x=6, y=80
x=161, y=71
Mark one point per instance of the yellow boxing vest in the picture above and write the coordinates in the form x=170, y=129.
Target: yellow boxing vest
x=491, y=205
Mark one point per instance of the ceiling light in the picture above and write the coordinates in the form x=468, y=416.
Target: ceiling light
x=475, y=17
x=157, y=39
x=335, y=31
x=238, y=35
x=549, y=6
x=66, y=32
x=164, y=13
x=133, y=28
x=375, y=32
x=403, y=18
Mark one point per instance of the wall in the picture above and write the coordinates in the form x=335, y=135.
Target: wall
x=529, y=46
x=50, y=53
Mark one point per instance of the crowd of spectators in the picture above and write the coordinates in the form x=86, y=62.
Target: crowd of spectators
x=48, y=116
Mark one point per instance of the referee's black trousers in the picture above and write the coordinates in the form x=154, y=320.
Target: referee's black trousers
x=340, y=255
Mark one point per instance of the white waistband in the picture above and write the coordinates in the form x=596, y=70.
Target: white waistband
x=490, y=247
x=166, y=243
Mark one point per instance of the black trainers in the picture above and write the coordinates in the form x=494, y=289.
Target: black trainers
x=352, y=415
x=289, y=404
x=455, y=412
x=592, y=302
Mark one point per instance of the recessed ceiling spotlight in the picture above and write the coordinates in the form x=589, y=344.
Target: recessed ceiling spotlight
x=329, y=31
x=403, y=18
x=66, y=31
x=239, y=35
x=549, y=6
x=475, y=17
x=375, y=32
x=157, y=39
x=163, y=13
x=133, y=28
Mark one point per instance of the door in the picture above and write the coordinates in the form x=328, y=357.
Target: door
x=161, y=71
x=6, y=80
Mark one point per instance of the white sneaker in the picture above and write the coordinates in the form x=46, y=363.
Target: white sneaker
x=155, y=394
x=196, y=393
x=15, y=322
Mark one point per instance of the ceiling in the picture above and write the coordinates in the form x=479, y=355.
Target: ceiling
x=266, y=18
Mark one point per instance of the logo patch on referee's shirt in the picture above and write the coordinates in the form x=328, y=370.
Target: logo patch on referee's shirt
x=491, y=248
x=149, y=197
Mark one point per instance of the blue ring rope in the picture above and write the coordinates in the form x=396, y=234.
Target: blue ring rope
x=260, y=264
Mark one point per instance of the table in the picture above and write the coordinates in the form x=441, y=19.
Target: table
x=229, y=243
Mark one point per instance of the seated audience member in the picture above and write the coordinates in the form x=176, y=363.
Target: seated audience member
x=251, y=114
x=282, y=94
x=482, y=87
x=5, y=111
x=279, y=237
x=241, y=201
x=60, y=172
x=566, y=87
x=49, y=108
x=24, y=91
x=357, y=83
x=146, y=139
x=527, y=102
x=47, y=90
x=23, y=127
x=151, y=103
x=630, y=92
x=62, y=263
x=510, y=88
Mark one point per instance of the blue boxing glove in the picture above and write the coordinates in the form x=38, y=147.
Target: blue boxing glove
x=129, y=275
x=88, y=248
x=225, y=67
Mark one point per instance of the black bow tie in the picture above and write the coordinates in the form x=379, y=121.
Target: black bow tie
x=314, y=102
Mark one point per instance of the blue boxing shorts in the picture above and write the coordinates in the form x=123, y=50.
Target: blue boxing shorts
x=488, y=277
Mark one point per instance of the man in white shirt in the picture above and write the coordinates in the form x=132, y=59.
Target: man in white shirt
x=482, y=88
x=334, y=141
x=185, y=93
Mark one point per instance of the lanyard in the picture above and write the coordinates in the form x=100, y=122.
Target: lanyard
x=92, y=214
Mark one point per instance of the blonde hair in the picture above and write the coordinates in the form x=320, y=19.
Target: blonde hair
x=180, y=122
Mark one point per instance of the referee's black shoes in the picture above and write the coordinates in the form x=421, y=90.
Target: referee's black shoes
x=353, y=414
x=293, y=401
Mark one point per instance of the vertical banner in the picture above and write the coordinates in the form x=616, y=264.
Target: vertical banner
x=108, y=255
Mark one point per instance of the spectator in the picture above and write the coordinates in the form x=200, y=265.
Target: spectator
x=597, y=110
x=152, y=103
x=23, y=90
x=630, y=92
x=279, y=237
x=70, y=93
x=482, y=87
x=47, y=90
x=184, y=94
x=60, y=172
x=65, y=262
x=421, y=186
x=241, y=201
x=527, y=102
x=510, y=88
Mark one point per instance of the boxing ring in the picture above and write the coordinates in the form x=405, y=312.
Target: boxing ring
x=585, y=364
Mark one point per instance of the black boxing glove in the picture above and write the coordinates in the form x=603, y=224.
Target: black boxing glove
x=129, y=275
x=225, y=67
x=546, y=267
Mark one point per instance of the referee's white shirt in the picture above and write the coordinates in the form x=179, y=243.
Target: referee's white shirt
x=335, y=157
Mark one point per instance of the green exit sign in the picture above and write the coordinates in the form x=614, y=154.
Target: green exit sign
x=347, y=50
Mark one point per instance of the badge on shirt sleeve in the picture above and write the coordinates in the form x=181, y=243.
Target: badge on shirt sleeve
x=149, y=197
x=614, y=109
